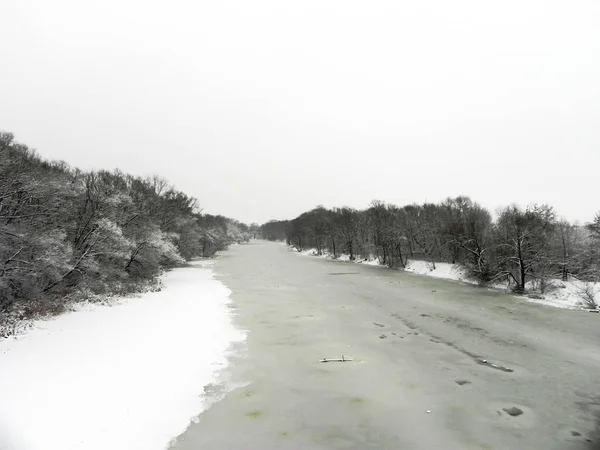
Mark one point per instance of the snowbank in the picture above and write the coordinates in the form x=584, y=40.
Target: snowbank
x=128, y=376
x=563, y=294
x=346, y=258
x=442, y=270
x=559, y=294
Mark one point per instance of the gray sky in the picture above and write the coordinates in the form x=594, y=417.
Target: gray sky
x=263, y=109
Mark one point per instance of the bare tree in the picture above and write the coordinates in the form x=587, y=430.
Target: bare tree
x=524, y=238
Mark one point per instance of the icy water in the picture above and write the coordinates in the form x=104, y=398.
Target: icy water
x=436, y=364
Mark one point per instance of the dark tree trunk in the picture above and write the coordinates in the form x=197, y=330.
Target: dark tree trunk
x=399, y=247
x=565, y=270
x=522, y=271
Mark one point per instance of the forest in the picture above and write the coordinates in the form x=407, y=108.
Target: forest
x=526, y=247
x=68, y=235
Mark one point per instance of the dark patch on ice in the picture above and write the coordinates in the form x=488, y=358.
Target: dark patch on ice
x=513, y=411
x=406, y=322
x=460, y=324
x=255, y=414
x=590, y=405
x=464, y=325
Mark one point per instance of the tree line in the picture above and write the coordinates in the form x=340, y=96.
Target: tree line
x=524, y=246
x=67, y=233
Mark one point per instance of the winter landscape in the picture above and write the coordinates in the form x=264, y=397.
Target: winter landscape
x=318, y=225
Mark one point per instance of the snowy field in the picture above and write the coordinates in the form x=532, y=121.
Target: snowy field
x=123, y=377
x=559, y=294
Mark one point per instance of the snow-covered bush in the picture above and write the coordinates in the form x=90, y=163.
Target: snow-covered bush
x=587, y=293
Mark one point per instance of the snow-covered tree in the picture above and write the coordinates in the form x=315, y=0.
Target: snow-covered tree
x=64, y=231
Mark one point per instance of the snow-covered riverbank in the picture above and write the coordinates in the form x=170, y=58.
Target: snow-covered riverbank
x=127, y=376
x=570, y=294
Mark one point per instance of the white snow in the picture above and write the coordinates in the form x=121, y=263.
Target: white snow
x=563, y=294
x=371, y=262
x=123, y=377
x=559, y=294
x=442, y=270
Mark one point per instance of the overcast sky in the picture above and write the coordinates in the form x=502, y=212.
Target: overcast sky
x=264, y=109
